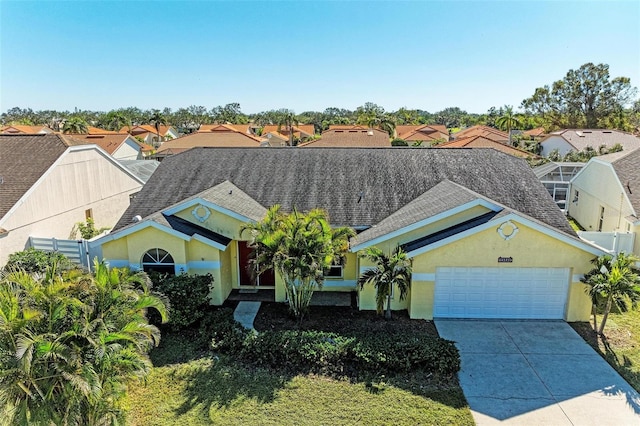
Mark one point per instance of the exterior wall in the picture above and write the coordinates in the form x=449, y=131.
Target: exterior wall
x=555, y=142
x=367, y=296
x=598, y=186
x=129, y=150
x=529, y=249
x=81, y=180
x=636, y=244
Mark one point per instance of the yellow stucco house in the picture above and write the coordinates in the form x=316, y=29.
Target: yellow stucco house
x=486, y=238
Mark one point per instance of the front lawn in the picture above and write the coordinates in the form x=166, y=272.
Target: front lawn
x=621, y=344
x=196, y=387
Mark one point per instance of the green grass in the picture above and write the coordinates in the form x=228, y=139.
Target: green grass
x=212, y=390
x=575, y=225
x=620, y=346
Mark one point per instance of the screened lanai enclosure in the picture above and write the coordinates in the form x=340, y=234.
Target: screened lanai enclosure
x=556, y=177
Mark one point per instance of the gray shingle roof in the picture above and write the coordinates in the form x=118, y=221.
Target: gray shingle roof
x=582, y=138
x=23, y=160
x=359, y=187
x=627, y=167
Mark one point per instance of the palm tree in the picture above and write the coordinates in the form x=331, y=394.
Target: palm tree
x=508, y=120
x=118, y=121
x=70, y=342
x=287, y=118
x=300, y=247
x=75, y=125
x=157, y=119
x=390, y=271
x=613, y=281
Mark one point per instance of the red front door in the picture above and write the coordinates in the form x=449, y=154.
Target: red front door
x=267, y=278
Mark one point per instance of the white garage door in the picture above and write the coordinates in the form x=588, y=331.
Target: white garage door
x=528, y=293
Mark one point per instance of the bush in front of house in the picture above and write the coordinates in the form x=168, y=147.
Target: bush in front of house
x=188, y=296
x=333, y=353
x=37, y=261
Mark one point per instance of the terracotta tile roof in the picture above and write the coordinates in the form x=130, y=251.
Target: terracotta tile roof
x=23, y=160
x=98, y=131
x=361, y=138
x=227, y=128
x=485, y=131
x=422, y=132
x=18, y=128
x=357, y=186
x=537, y=132
x=145, y=128
x=347, y=127
x=208, y=139
x=109, y=142
x=482, y=142
x=581, y=138
x=302, y=130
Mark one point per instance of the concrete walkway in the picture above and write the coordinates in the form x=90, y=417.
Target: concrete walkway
x=246, y=312
x=537, y=373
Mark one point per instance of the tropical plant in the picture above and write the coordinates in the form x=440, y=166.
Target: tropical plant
x=613, y=280
x=390, y=272
x=157, y=120
x=508, y=120
x=300, y=247
x=86, y=229
x=288, y=119
x=36, y=261
x=75, y=125
x=70, y=342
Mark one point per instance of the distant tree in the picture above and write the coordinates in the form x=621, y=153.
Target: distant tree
x=612, y=281
x=451, y=117
x=287, y=118
x=390, y=272
x=508, y=120
x=157, y=120
x=399, y=142
x=585, y=97
x=230, y=113
x=75, y=125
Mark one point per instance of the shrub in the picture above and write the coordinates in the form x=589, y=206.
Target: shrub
x=322, y=352
x=188, y=296
x=37, y=261
x=399, y=142
x=225, y=333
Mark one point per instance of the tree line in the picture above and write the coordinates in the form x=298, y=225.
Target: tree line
x=585, y=98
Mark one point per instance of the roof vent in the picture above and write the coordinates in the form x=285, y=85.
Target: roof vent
x=136, y=218
x=370, y=133
x=580, y=134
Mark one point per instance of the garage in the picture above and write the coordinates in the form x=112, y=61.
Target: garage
x=518, y=293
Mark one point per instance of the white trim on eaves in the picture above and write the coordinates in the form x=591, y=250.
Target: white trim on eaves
x=427, y=221
x=582, y=245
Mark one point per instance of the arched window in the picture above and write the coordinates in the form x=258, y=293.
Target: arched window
x=158, y=260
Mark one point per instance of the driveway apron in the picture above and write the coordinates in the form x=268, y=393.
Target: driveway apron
x=537, y=373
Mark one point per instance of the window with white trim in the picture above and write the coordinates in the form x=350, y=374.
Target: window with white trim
x=158, y=260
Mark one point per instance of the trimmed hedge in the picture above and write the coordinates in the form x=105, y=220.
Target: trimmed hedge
x=323, y=352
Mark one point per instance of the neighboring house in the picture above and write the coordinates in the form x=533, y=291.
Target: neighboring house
x=29, y=130
x=485, y=237
x=302, y=132
x=249, y=129
x=484, y=131
x=425, y=133
x=605, y=195
x=219, y=137
x=275, y=139
x=577, y=140
x=48, y=184
x=147, y=133
x=482, y=142
x=351, y=137
x=556, y=177
x=120, y=146
x=98, y=131
x=538, y=132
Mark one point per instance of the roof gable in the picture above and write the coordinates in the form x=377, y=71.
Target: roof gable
x=24, y=159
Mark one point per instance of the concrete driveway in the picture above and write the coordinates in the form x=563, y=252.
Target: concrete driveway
x=537, y=373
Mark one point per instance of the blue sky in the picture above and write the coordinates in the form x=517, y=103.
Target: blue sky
x=304, y=55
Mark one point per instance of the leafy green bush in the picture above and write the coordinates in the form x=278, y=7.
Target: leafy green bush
x=37, y=261
x=322, y=352
x=188, y=296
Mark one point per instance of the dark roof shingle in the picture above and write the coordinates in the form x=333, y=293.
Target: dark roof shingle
x=358, y=187
x=23, y=160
